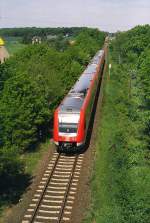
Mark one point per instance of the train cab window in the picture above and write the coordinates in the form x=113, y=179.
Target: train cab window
x=68, y=127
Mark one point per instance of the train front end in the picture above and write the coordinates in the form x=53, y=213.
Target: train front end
x=69, y=125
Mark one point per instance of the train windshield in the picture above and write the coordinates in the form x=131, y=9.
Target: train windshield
x=68, y=127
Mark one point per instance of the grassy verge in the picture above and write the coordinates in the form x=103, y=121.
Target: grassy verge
x=32, y=158
x=120, y=191
x=31, y=161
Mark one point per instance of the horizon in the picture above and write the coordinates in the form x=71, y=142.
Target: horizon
x=42, y=27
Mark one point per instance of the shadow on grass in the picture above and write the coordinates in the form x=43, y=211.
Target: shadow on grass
x=12, y=188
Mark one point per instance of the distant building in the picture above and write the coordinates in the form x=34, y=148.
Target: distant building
x=36, y=40
x=3, y=52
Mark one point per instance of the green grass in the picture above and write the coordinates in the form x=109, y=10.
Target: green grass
x=31, y=159
x=14, y=44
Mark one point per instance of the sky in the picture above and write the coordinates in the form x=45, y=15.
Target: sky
x=107, y=15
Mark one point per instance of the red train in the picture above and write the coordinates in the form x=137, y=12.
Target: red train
x=71, y=118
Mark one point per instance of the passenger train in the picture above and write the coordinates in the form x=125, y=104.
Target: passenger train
x=72, y=117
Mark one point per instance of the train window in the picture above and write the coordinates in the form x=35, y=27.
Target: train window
x=73, y=102
x=68, y=127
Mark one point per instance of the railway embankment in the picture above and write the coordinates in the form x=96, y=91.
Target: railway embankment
x=120, y=180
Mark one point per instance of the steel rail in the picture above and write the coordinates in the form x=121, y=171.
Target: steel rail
x=67, y=190
x=44, y=190
x=60, y=216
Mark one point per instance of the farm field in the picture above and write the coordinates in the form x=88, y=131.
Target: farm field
x=14, y=44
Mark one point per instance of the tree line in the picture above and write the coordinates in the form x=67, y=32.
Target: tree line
x=28, y=33
x=133, y=48
x=128, y=148
x=20, y=32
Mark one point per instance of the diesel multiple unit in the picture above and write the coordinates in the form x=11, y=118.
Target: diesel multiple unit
x=71, y=118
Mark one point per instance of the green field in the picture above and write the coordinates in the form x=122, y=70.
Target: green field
x=14, y=44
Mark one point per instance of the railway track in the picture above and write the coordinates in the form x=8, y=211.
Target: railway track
x=54, y=198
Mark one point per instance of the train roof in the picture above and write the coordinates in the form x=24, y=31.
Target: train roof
x=71, y=104
x=75, y=98
x=82, y=84
x=91, y=68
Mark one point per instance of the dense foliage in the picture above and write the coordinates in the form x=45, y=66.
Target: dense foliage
x=32, y=83
x=122, y=179
x=134, y=51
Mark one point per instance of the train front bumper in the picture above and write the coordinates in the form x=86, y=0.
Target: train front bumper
x=69, y=144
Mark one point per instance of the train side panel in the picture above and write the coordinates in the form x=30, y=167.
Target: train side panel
x=88, y=107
